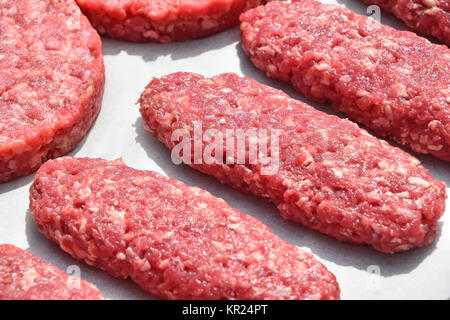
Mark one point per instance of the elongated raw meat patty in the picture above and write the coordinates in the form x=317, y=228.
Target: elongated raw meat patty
x=394, y=82
x=51, y=82
x=431, y=17
x=174, y=241
x=164, y=20
x=332, y=176
x=24, y=276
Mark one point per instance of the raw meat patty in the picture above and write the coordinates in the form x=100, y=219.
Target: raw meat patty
x=431, y=17
x=51, y=82
x=164, y=20
x=175, y=241
x=26, y=277
x=394, y=82
x=332, y=176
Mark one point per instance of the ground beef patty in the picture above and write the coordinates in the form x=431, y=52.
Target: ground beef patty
x=164, y=20
x=394, y=82
x=332, y=176
x=26, y=277
x=51, y=82
x=431, y=17
x=175, y=241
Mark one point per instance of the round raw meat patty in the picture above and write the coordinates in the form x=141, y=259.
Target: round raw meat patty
x=51, y=82
x=164, y=20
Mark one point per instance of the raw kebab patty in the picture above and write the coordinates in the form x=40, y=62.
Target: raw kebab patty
x=51, y=82
x=164, y=20
x=394, y=82
x=24, y=276
x=430, y=17
x=331, y=176
x=174, y=241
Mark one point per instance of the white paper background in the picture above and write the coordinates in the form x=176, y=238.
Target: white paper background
x=417, y=274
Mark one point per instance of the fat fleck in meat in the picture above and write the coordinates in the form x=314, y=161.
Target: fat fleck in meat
x=174, y=241
x=430, y=17
x=164, y=20
x=394, y=82
x=51, y=82
x=333, y=176
x=26, y=277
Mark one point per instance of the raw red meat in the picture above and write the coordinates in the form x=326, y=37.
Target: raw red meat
x=175, y=241
x=332, y=176
x=394, y=82
x=164, y=20
x=431, y=17
x=51, y=82
x=23, y=276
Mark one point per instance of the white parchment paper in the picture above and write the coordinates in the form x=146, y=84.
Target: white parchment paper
x=362, y=272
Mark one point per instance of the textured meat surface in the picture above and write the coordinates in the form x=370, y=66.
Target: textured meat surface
x=175, y=241
x=333, y=176
x=51, y=82
x=394, y=82
x=164, y=20
x=23, y=276
x=431, y=17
